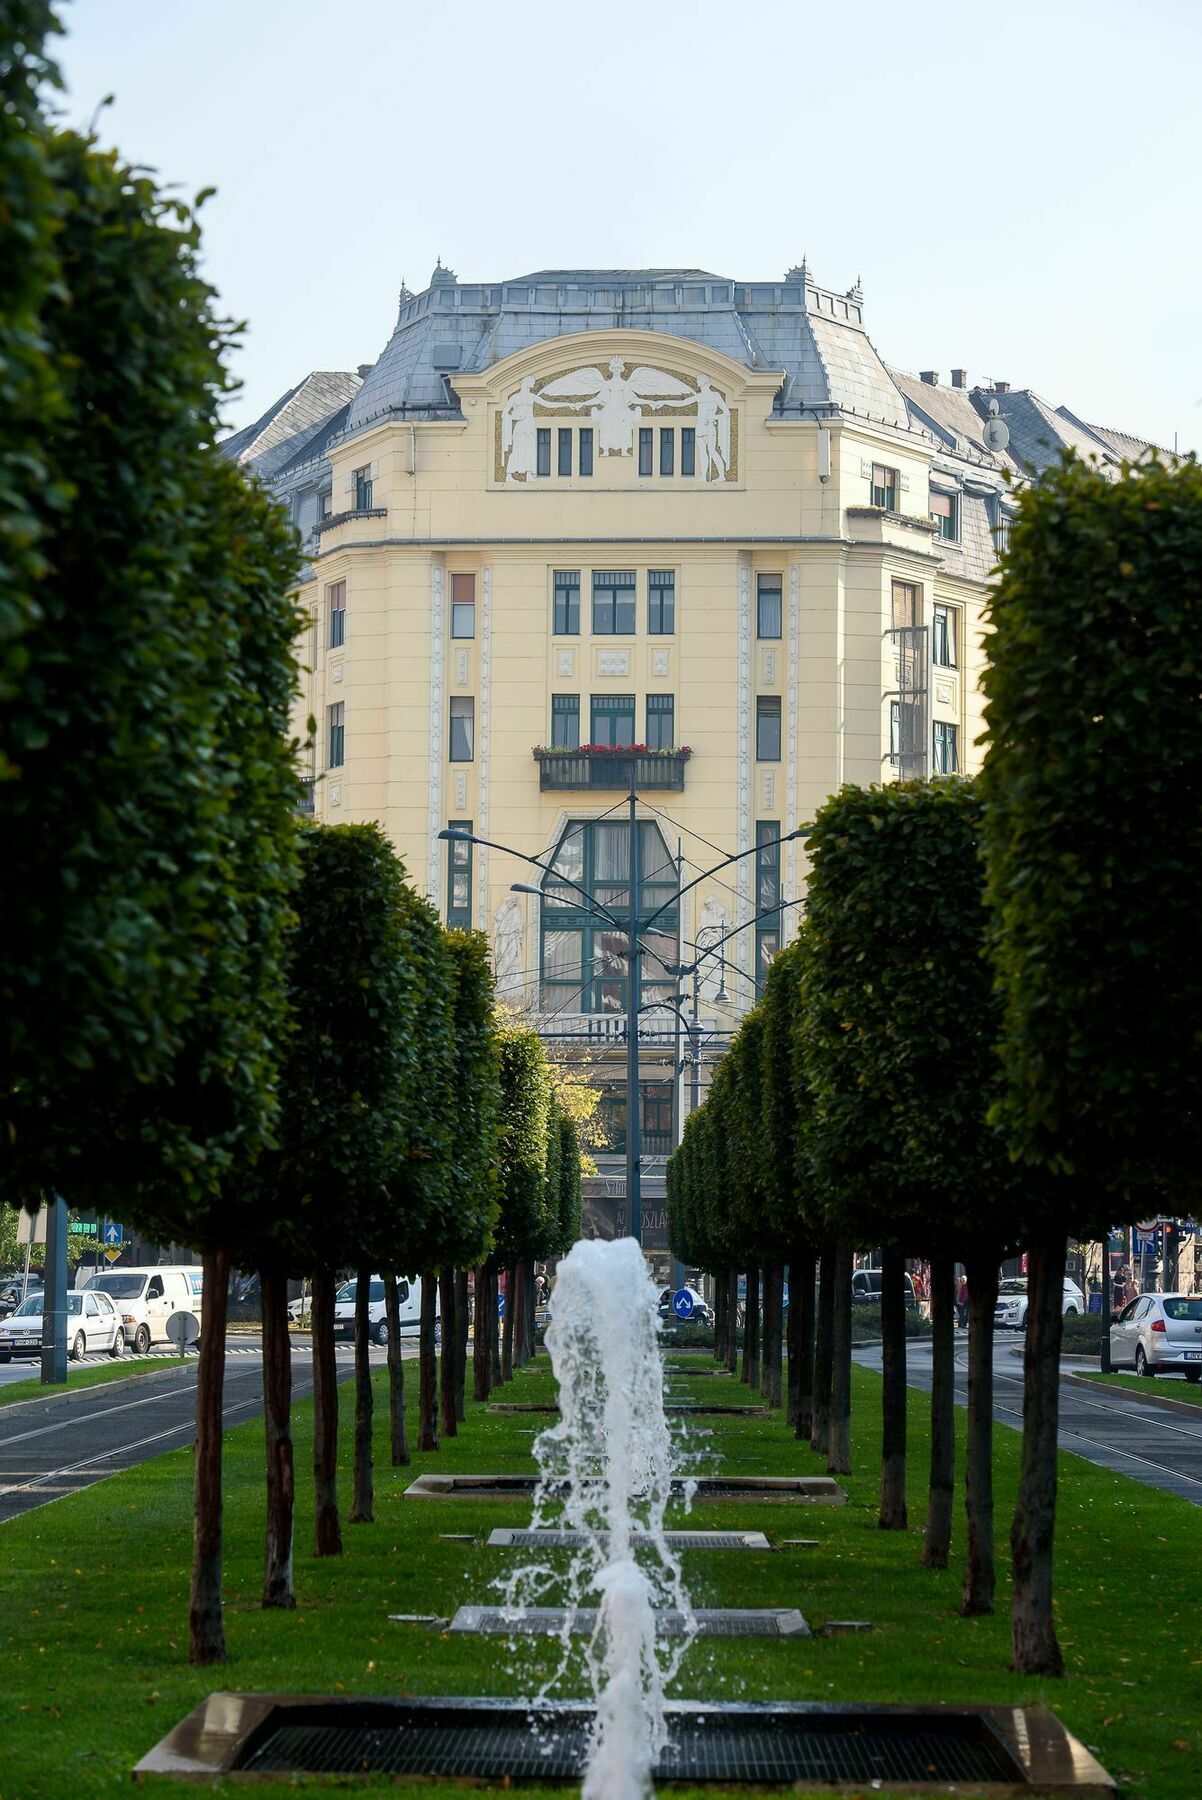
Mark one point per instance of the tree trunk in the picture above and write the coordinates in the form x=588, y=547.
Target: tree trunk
x=277, y=1415
x=448, y=1421
x=510, y=1310
x=979, y=1569
x=362, y=1495
x=774, y=1282
x=732, y=1307
x=801, y=1347
x=327, y=1532
x=427, y=1389
x=481, y=1334
x=396, y=1373
x=494, y=1323
x=937, y=1537
x=1034, y=1648
x=838, y=1456
x=206, y=1628
x=820, y=1438
x=460, y=1344
x=892, y=1516
x=517, y=1293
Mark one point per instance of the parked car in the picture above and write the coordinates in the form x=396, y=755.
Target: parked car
x=13, y=1290
x=866, y=1287
x=1010, y=1313
x=93, y=1323
x=146, y=1299
x=702, y=1313
x=409, y=1297
x=1159, y=1331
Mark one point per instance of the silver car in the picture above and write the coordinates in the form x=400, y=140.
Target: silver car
x=93, y=1323
x=1159, y=1332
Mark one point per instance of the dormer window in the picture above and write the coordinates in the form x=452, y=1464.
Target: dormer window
x=945, y=511
x=884, y=487
x=362, y=481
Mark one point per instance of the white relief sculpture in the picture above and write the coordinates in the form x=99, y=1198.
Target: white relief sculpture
x=713, y=432
x=617, y=401
x=519, y=440
x=508, y=934
x=712, y=927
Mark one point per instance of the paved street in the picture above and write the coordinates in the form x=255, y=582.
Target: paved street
x=1116, y=1429
x=68, y=1439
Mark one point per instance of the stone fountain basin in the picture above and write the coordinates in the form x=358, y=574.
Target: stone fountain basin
x=989, y=1750
x=819, y=1490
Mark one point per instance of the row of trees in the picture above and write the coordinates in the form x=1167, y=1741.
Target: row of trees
x=233, y=1031
x=987, y=1035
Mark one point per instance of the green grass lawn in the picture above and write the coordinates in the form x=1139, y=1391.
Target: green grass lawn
x=93, y=1639
x=86, y=1375
x=1167, y=1387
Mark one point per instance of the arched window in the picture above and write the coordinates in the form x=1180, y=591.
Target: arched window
x=583, y=954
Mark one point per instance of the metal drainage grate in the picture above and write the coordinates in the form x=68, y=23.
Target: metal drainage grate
x=734, y=1744
x=816, y=1488
x=551, y=1621
x=677, y=1540
x=700, y=1408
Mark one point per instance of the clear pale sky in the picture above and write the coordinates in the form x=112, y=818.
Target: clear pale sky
x=1016, y=185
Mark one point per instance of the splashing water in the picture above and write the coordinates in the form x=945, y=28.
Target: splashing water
x=607, y=1467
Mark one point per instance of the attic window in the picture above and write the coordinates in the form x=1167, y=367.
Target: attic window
x=945, y=510
x=884, y=487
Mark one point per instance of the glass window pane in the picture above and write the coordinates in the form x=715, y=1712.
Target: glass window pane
x=768, y=606
x=586, y=450
x=463, y=587
x=544, y=452
x=667, y=450
x=661, y=602
x=646, y=442
x=565, y=721
x=463, y=618
x=562, y=954
x=688, y=451
x=767, y=730
x=565, y=450
x=566, y=620
x=463, y=724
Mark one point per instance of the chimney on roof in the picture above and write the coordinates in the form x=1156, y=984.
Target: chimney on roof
x=959, y=378
x=1001, y=387
x=930, y=376
x=365, y=370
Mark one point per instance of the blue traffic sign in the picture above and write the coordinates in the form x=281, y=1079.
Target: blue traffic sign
x=113, y=1234
x=682, y=1303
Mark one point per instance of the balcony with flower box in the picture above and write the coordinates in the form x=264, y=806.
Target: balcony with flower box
x=612, y=768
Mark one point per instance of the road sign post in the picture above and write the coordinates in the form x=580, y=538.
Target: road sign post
x=54, y=1304
x=682, y=1304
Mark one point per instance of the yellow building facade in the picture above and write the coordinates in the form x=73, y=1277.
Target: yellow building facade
x=590, y=511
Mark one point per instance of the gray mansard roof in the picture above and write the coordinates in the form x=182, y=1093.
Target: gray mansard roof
x=297, y=426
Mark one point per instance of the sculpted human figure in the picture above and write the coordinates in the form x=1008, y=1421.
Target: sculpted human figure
x=519, y=440
x=509, y=931
x=713, y=431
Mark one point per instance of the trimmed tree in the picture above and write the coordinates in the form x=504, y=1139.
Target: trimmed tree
x=524, y=1228
x=1093, y=838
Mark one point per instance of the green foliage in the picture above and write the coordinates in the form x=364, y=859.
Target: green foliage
x=897, y=1021
x=570, y=1186
x=1094, y=833
x=476, y=1123
x=524, y=1229
x=352, y=1080
x=147, y=811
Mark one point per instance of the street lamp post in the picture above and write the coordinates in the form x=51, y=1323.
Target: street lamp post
x=634, y=1146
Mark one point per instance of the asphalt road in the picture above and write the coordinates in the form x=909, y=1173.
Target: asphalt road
x=68, y=1439
x=1115, y=1429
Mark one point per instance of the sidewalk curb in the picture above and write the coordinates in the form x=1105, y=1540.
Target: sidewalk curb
x=95, y=1387
x=1161, y=1400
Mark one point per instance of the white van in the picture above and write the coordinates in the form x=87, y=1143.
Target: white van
x=146, y=1299
x=409, y=1294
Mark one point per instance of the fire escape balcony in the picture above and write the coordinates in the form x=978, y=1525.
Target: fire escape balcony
x=597, y=767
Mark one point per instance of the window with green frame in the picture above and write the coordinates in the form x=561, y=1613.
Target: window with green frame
x=661, y=722
x=767, y=895
x=611, y=720
x=459, y=876
x=655, y=1119
x=583, y=956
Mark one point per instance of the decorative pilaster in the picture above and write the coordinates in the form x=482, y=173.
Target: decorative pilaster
x=435, y=821
x=743, y=778
x=791, y=921
x=484, y=748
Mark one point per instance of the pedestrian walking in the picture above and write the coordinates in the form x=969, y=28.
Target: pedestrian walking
x=962, y=1302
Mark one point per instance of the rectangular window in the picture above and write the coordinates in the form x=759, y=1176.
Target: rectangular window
x=943, y=636
x=767, y=895
x=768, y=606
x=463, y=730
x=945, y=510
x=947, y=753
x=884, y=487
x=543, y=452
x=646, y=449
x=688, y=450
x=337, y=598
x=336, y=715
x=613, y=602
x=667, y=450
x=905, y=604
x=565, y=450
x=661, y=602
x=459, y=877
x=362, y=481
x=325, y=503
x=767, y=729
x=612, y=722
x=586, y=450
x=463, y=606
x=565, y=721
x=661, y=721
x=566, y=622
